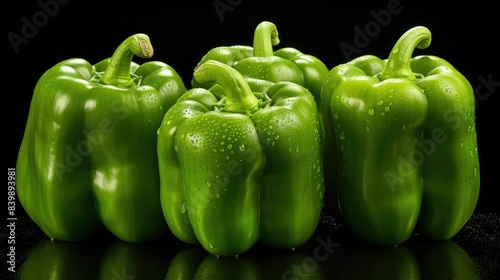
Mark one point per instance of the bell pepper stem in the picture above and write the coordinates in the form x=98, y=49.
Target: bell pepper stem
x=118, y=71
x=265, y=37
x=239, y=96
x=398, y=63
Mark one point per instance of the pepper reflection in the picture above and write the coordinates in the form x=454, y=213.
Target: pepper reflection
x=445, y=260
x=196, y=263
x=63, y=260
x=116, y=260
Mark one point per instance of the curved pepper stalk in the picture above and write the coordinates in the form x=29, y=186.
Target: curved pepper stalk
x=239, y=97
x=259, y=61
x=265, y=37
x=398, y=63
x=118, y=70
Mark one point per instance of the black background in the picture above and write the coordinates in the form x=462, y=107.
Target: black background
x=466, y=35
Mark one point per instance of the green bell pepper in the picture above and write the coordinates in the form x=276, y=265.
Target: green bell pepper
x=242, y=166
x=260, y=62
x=88, y=156
x=404, y=130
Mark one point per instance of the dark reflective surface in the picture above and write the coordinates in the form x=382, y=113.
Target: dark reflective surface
x=332, y=253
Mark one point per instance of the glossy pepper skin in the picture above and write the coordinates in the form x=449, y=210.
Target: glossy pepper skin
x=88, y=156
x=450, y=171
x=260, y=62
x=405, y=136
x=242, y=166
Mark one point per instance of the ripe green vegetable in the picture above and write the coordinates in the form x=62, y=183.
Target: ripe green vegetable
x=238, y=166
x=404, y=131
x=88, y=156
